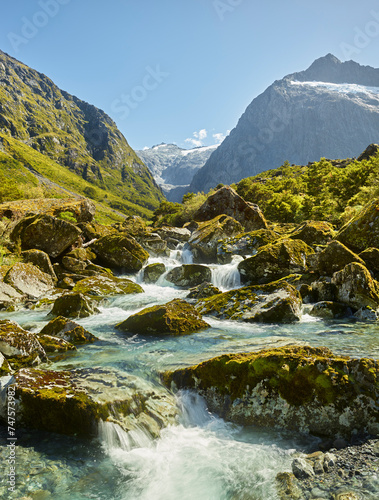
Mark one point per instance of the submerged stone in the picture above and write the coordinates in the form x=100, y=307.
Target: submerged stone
x=177, y=317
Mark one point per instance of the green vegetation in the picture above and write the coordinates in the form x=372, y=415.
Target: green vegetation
x=177, y=214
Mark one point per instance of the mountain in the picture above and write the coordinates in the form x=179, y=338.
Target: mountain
x=37, y=116
x=173, y=167
x=330, y=110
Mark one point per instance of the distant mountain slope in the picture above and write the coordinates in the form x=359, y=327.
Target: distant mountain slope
x=330, y=110
x=73, y=133
x=174, y=167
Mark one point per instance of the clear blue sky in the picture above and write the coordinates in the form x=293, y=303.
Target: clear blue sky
x=165, y=70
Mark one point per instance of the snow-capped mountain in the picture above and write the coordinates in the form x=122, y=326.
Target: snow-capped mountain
x=330, y=110
x=173, y=167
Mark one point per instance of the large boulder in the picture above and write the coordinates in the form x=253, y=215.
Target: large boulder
x=178, y=234
x=244, y=244
x=275, y=261
x=120, y=252
x=362, y=231
x=20, y=347
x=29, y=280
x=9, y=297
x=206, y=237
x=314, y=233
x=189, y=275
x=370, y=256
x=177, y=317
x=227, y=201
x=39, y=259
x=300, y=388
x=46, y=233
x=273, y=303
x=106, y=285
x=355, y=287
x=329, y=310
x=85, y=401
x=73, y=305
x=334, y=258
x=68, y=330
x=153, y=272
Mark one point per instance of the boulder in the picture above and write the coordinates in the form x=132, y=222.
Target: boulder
x=287, y=487
x=189, y=275
x=29, y=280
x=86, y=402
x=77, y=260
x=367, y=314
x=105, y=285
x=153, y=272
x=205, y=239
x=55, y=344
x=134, y=226
x=355, y=287
x=39, y=259
x=300, y=388
x=180, y=234
x=370, y=256
x=323, y=290
x=73, y=305
x=177, y=317
x=154, y=244
x=18, y=346
x=203, y=291
x=362, y=231
x=275, y=261
x=330, y=310
x=334, y=258
x=244, y=244
x=227, y=201
x=93, y=230
x=46, y=233
x=9, y=297
x=120, y=252
x=273, y=303
x=314, y=233
x=68, y=330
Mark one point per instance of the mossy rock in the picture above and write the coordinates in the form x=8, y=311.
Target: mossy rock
x=363, y=230
x=39, y=259
x=134, y=226
x=179, y=234
x=277, y=302
x=314, y=233
x=5, y=369
x=323, y=290
x=120, y=252
x=330, y=310
x=355, y=287
x=9, y=296
x=203, y=291
x=244, y=244
x=275, y=261
x=93, y=230
x=152, y=272
x=370, y=256
x=55, y=344
x=29, y=280
x=333, y=258
x=102, y=286
x=46, y=233
x=299, y=388
x=20, y=347
x=73, y=305
x=189, y=275
x=177, y=317
x=68, y=330
x=288, y=487
x=205, y=239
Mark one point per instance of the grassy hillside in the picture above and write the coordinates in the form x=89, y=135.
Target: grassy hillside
x=80, y=138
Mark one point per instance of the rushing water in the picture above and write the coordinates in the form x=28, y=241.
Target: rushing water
x=203, y=457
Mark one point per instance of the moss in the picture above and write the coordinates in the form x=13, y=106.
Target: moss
x=120, y=252
x=68, y=330
x=152, y=272
x=73, y=305
x=54, y=344
x=102, y=286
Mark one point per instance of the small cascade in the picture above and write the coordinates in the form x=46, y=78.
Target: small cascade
x=227, y=276
x=186, y=255
x=113, y=437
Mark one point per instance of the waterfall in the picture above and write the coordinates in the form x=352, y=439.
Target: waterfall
x=227, y=276
x=113, y=436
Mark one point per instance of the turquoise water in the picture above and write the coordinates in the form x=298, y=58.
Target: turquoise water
x=203, y=457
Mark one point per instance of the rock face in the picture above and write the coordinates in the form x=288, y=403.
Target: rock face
x=273, y=303
x=102, y=286
x=363, y=230
x=76, y=402
x=227, y=201
x=120, y=252
x=299, y=388
x=29, y=280
x=153, y=272
x=275, y=261
x=18, y=346
x=204, y=240
x=68, y=330
x=355, y=287
x=174, y=318
x=334, y=258
x=46, y=233
x=303, y=117
x=73, y=305
x=189, y=275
